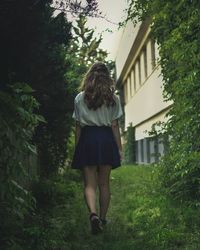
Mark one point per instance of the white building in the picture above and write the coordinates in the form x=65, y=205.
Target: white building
x=140, y=83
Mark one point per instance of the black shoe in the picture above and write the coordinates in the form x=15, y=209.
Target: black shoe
x=96, y=224
x=103, y=222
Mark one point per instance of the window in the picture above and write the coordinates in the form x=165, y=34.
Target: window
x=130, y=86
x=153, y=57
x=134, y=79
x=139, y=69
x=145, y=61
x=142, y=149
x=132, y=82
x=126, y=91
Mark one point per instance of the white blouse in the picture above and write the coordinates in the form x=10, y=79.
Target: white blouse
x=102, y=116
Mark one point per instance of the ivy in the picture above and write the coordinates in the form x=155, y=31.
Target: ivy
x=175, y=26
x=130, y=147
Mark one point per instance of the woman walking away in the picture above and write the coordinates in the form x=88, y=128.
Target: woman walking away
x=97, y=139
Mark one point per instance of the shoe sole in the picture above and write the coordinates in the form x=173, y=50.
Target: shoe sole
x=96, y=227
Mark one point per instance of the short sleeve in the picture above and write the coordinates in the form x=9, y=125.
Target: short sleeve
x=117, y=109
x=76, y=112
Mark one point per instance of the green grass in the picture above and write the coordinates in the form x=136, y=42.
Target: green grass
x=142, y=217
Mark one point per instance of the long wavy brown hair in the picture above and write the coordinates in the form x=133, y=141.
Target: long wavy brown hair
x=98, y=87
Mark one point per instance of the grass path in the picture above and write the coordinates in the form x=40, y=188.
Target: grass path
x=142, y=217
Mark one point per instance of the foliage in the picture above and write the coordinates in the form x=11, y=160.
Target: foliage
x=54, y=223
x=85, y=44
x=54, y=92
x=141, y=216
x=17, y=125
x=175, y=25
x=130, y=147
x=34, y=49
x=158, y=132
x=74, y=7
x=152, y=219
x=40, y=58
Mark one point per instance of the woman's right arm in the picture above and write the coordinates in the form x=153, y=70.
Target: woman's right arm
x=77, y=132
x=116, y=133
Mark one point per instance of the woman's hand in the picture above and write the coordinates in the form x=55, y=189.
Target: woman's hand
x=121, y=155
x=116, y=133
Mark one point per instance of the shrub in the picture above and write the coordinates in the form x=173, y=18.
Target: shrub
x=17, y=125
x=175, y=26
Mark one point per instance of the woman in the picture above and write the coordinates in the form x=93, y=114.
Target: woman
x=97, y=139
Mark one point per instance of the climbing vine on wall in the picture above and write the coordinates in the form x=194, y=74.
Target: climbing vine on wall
x=175, y=26
x=130, y=147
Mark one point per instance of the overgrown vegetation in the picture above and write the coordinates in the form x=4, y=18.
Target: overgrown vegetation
x=85, y=44
x=17, y=125
x=141, y=216
x=40, y=74
x=42, y=206
x=144, y=217
x=54, y=223
x=129, y=147
x=176, y=28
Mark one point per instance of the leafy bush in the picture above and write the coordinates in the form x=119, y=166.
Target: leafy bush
x=52, y=191
x=130, y=146
x=52, y=225
x=176, y=28
x=17, y=125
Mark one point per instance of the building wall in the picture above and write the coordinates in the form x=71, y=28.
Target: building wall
x=141, y=130
x=125, y=45
x=146, y=102
x=140, y=80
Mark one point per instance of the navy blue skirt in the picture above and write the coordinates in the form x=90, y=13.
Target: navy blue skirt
x=96, y=146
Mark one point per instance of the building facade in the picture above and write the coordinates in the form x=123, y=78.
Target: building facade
x=139, y=81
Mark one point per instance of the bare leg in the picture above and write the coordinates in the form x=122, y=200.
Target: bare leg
x=104, y=188
x=90, y=186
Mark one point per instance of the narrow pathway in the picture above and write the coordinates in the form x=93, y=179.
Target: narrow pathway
x=142, y=217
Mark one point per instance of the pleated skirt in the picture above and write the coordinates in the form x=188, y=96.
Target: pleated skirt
x=96, y=146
